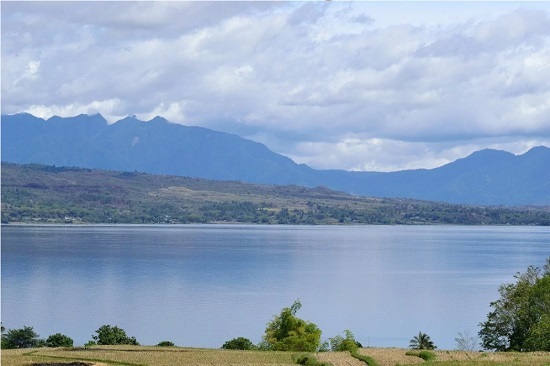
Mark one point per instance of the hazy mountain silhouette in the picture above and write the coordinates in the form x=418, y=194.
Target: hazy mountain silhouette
x=160, y=147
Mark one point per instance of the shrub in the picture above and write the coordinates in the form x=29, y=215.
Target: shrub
x=165, y=344
x=309, y=360
x=287, y=332
x=425, y=355
x=108, y=335
x=341, y=344
x=90, y=344
x=239, y=343
x=59, y=340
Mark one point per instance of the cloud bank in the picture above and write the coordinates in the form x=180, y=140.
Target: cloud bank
x=339, y=85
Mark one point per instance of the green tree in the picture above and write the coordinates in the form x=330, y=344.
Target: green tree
x=59, y=340
x=520, y=320
x=165, y=344
x=539, y=335
x=25, y=337
x=108, y=335
x=239, y=343
x=421, y=341
x=286, y=332
x=339, y=343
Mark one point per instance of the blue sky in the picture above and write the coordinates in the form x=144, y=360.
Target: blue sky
x=336, y=85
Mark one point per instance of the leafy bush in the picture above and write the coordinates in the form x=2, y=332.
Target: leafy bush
x=59, y=340
x=90, y=344
x=239, y=343
x=425, y=355
x=286, y=332
x=165, y=344
x=309, y=360
x=341, y=344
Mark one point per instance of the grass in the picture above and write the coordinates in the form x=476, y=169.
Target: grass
x=425, y=355
x=370, y=361
x=165, y=356
x=402, y=357
x=154, y=356
x=339, y=359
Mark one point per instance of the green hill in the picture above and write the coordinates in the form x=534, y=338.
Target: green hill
x=49, y=194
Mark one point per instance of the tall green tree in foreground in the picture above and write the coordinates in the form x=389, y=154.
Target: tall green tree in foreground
x=520, y=320
x=286, y=332
x=421, y=341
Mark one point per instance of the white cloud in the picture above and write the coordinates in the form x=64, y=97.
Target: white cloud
x=352, y=85
x=175, y=112
x=106, y=108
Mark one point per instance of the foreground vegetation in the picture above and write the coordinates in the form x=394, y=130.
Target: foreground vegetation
x=139, y=355
x=169, y=356
x=47, y=194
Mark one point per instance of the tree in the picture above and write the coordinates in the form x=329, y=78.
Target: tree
x=520, y=320
x=466, y=342
x=539, y=335
x=59, y=340
x=286, y=332
x=239, y=343
x=422, y=341
x=25, y=337
x=165, y=344
x=340, y=344
x=108, y=335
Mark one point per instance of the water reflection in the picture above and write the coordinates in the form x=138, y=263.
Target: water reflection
x=203, y=285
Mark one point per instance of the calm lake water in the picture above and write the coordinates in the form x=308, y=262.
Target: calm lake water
x=201, y=285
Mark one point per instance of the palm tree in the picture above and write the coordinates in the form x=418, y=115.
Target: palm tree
x=422, y=341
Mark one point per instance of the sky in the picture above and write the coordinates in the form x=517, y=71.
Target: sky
x=376, y=86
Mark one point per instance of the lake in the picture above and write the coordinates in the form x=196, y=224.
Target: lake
x=201, y=285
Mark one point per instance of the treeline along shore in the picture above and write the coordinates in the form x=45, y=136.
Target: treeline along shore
x=49, y=194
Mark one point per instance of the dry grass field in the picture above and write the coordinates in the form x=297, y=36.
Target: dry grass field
x=339, y=359
x=153, y=356
x=170, y=356
x=390, y=356
x=395, y=356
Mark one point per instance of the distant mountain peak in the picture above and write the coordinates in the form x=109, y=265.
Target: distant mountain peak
x=538, y=150
x=158, y=119
x=488, y=177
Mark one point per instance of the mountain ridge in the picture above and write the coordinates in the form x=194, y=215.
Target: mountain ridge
x=38, y=194
x=158, y=146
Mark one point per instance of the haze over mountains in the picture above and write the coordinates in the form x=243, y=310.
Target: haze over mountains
x=487, y=177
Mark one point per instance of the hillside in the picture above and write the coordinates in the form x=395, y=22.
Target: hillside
x=48, y=194
x=487, y=177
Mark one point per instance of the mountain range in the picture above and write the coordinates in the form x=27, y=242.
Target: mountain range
x=486, y=177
